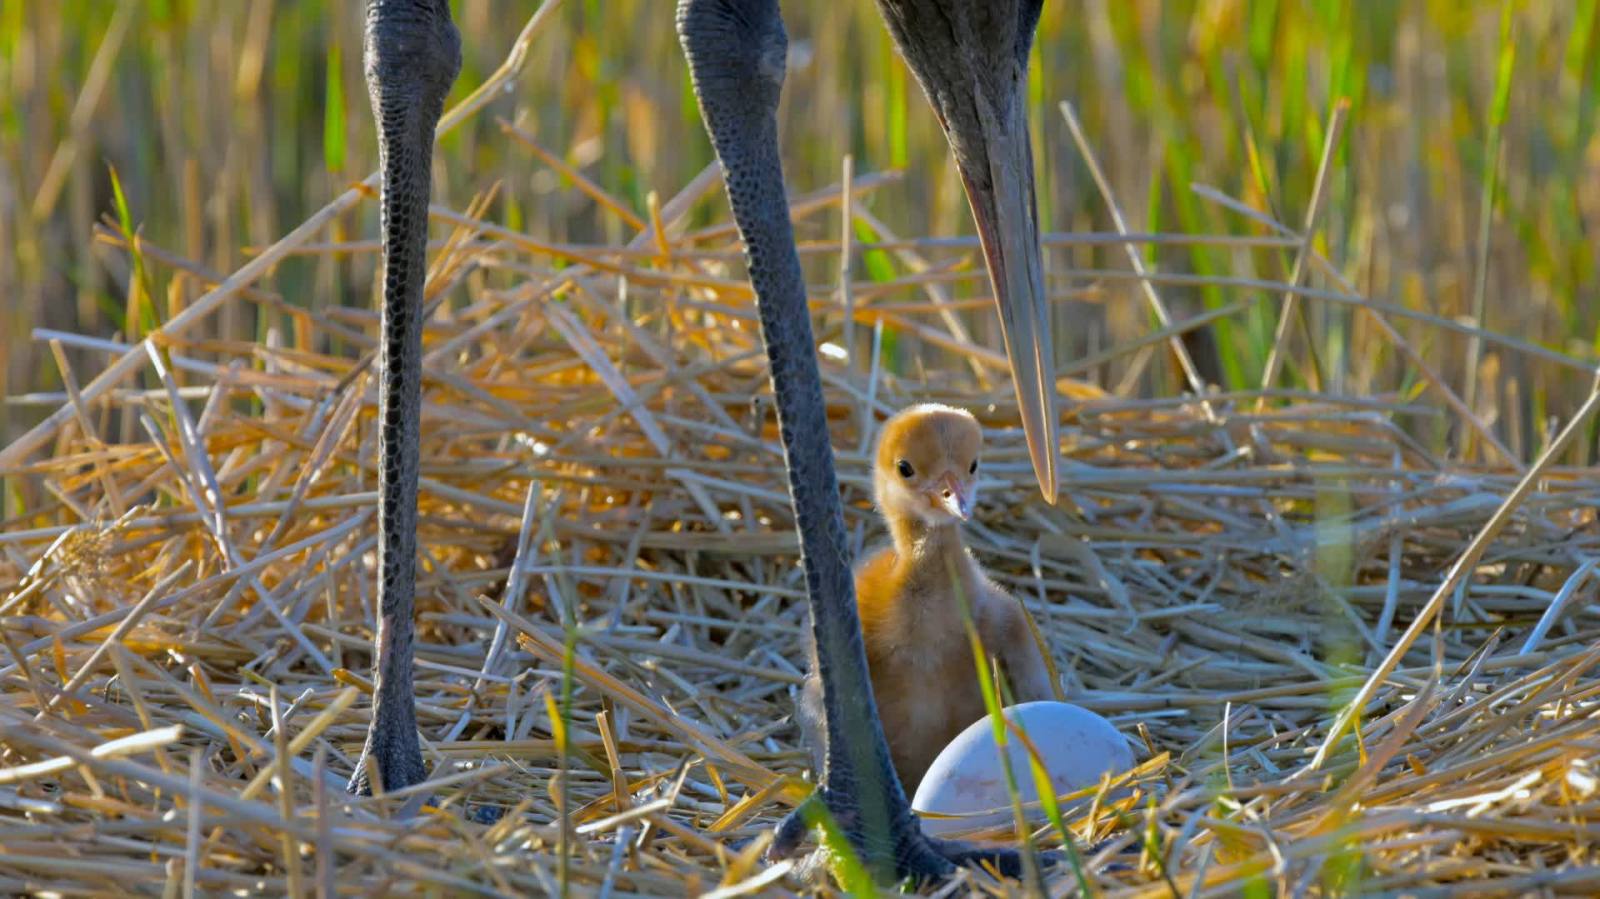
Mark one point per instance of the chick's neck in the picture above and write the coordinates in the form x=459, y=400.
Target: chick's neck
x=930, y=547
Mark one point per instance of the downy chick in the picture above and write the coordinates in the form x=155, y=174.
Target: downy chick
x=909, y=595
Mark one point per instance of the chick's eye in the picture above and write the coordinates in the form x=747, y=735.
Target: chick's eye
x=973, y=468
x=905, y=469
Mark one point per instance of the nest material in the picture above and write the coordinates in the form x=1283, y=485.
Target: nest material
x=1260, y=594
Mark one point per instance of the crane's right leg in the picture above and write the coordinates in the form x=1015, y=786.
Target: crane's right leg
x=412, y=56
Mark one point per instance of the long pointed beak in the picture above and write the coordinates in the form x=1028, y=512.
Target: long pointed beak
x=999, y=185
x=952, y=497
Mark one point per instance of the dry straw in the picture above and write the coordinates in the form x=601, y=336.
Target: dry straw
x=186, y=621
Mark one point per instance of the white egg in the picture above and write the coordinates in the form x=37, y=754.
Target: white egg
x=1076, y=746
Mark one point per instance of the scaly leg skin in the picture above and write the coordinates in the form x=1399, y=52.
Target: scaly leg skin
x=736, y=51
x=412, y=55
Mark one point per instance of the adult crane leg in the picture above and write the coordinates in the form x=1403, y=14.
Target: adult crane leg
x=413, y=53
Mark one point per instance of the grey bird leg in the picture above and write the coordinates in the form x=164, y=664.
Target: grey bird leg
x=412, y=55
x=736, y=51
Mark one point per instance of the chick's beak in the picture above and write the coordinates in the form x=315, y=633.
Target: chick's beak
x=952, y=496
x=997, y=172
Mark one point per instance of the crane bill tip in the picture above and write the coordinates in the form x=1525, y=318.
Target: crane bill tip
x=1041, y=432
x=1044, y=471
x=1050, y=492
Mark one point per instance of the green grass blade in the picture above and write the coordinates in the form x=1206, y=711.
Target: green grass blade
x=333, y=113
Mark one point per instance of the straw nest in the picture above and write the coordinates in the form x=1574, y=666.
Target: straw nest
x=1345, y=664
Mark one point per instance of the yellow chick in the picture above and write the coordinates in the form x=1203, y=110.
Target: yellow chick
x=909, y=593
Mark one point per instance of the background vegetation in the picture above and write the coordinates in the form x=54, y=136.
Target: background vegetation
x=228, y=122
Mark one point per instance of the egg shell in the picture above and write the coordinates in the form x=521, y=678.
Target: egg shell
x=1076, y=745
